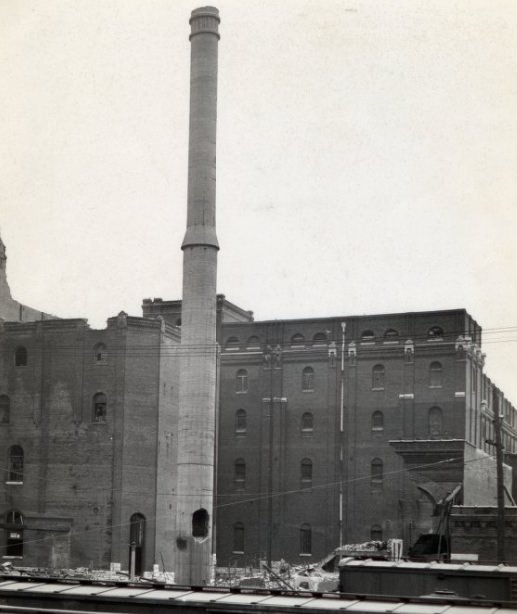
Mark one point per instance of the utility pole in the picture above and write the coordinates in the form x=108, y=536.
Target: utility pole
x=498, y=445
x=268, y=355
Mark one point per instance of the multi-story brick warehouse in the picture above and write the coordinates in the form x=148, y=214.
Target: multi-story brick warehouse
x=335, y=430
x=330, y=430
x=86, y=423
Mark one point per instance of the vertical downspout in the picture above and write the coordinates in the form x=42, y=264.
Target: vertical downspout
x=341, y=432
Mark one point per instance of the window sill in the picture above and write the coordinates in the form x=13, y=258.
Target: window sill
x=376, y=389
x=11, y=557
x=304, y=554
x=237, y=551
x=308, y=390
x=241, y=392
x=12, y=483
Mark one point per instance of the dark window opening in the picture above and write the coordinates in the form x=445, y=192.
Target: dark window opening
x=306, y=471
x=378, y=377
x=307, y=422
x=20, y=357
x=100, y=353
x=200, y=523
x=435, y=331
x=253, y=342
x=435, y=374
x=238, y=537
x=377, y=472
x=5, y=409
x=297, y=339
x=435, y=422
x=137, y=542
x=232, y=343
x=239, y=472
x=13, y=534
x=241, y=384
x=391, y=334
x=305, y=539
x=99, y=407
x=308, y=379
x=377, y=421
x=240, y=421
x=15, y=467
x=376, y=532
x=367, y=335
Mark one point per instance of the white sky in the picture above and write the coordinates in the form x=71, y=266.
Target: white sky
x=367, y=155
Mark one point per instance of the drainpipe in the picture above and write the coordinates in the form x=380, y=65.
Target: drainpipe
x=341, y=433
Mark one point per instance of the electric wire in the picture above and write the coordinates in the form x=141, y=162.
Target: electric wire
x=261, y=497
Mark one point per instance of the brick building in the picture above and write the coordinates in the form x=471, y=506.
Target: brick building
x=331, y=430
x=336, y=430
x=86, y=431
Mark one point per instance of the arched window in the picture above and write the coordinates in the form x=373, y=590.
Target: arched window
x=307, y=422
x=5, y=409
x=20, y=357
x=178, y=322
x=241, y=381
x=378, y=377
x=319, y=339
x=239, y=472
x=232, y=343
x=137, y=542
x=306, y=471
x=200, y=520
x=377, y=421
x=368, y=335
x=13, y=534
x=238, y=537
x=253, y=342
x=240, y=421
x=391, y=334
x=308, y=379
x=377, y=472
x=15, y=464
x=435, y=422
x=99, y=407
x=100, y=353
x=305, y=539
x=297, y=339
x=435, y=374
x=376, y=532
x=435, y=332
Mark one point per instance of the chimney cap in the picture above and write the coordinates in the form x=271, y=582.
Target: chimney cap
x=205, y=20
x=204, y=11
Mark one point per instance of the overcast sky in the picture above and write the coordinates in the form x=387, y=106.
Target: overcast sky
x=367, y=156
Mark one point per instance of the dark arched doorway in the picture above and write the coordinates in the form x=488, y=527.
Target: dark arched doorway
x=137, y=543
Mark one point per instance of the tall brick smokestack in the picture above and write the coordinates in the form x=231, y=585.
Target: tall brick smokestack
x=197, y=385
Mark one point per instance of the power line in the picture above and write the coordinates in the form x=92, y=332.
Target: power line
x=258, y=497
